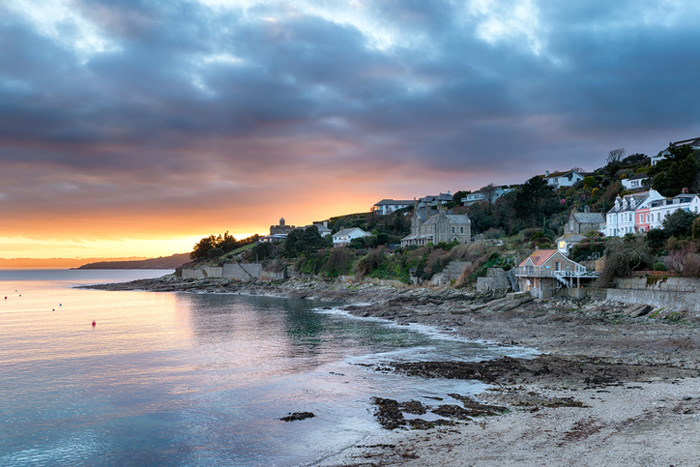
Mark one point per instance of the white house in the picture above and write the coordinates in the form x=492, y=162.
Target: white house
x=559, y=179
x=345, y=236
x=636, y=182
x=620, y=219
x=692, y=142
x=483, y=195
x=659, y=209
x=387, y=206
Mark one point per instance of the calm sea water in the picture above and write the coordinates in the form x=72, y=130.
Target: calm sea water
x=174, y=379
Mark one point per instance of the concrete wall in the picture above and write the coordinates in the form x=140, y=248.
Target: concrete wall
x=213, y=271
x=496, y=280
x=193, y=274
x=668, y=299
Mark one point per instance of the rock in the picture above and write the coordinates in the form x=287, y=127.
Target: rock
x=297, y=416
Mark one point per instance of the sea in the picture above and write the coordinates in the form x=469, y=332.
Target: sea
x=136, y=378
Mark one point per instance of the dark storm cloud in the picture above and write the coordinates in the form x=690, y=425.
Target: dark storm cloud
x=181, y=91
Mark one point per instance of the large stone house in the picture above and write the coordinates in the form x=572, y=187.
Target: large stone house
x=436, y=227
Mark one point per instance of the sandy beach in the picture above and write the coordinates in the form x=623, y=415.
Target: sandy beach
x=615, y=384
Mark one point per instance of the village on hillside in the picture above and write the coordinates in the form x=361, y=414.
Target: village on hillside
x=564, y=231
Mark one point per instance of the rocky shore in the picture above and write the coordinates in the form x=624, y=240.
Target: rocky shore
x=615, y=384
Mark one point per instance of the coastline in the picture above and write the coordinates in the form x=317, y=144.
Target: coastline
x=635, y=377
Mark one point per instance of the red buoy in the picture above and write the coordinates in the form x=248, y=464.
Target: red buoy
x=93, y=322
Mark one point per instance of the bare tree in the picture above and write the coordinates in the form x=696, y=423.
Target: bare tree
x=616, y=155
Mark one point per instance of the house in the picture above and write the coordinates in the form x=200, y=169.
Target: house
x=642, y=213
x=560, y=179
x=636, y=182
x=584, y=222
x=660, y=208
x=692, y=142
x=620, y=219
x=429, y=226
x=387, y=206
x=566, y=242
x=345, y=236
x=544, y=272
x=492, y=192
x=436, y=200
x=322, y=228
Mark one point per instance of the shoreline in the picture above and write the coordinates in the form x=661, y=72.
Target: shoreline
x=615, y=384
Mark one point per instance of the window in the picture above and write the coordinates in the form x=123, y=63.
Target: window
x=557, y=266
x=461, y=230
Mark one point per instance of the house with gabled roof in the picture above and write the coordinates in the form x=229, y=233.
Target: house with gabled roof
x=428, y=225
x=584, y=222
x=345, y=236
x=560, y=179
x=544, y=272
x=635, y=182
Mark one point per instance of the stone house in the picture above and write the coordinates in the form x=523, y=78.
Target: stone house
x=436, y=227
x=584, y=222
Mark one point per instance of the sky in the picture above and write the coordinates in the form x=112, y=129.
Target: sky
x=137, y=127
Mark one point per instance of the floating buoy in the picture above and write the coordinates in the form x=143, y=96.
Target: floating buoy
x=93, y=323
x=53, y=309
x=60, y=304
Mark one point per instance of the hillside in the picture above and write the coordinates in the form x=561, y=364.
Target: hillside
x=163, y=262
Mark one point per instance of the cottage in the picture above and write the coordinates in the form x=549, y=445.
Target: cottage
x=544, y=272
x=635, y=182
x=560, y=179
x=428, y=226
x=566, y=242
x=345, y=236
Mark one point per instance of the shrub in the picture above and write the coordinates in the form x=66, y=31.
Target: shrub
x=659, y=266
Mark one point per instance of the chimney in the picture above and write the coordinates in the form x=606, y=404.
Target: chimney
x=684, y=190
x=587, y=209
x=546, y=173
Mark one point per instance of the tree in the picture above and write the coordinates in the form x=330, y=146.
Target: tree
x=622, y=256
x=304, y=242
x=535, y=201
x=679, y=224
x=677, y=171
x=457, y=197
x=615, y=156
x=201, y=248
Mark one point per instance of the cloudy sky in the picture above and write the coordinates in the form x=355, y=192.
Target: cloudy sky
x=136, y=126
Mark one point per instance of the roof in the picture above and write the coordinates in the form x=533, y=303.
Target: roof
x=691, y=142
x=561, y=174
x=539, y=257
x=571, y=238
x=392, y=202
x=342, y=232
x=589, y=217
x=639, y=176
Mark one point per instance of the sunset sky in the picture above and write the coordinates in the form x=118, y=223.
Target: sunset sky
x=136, y=127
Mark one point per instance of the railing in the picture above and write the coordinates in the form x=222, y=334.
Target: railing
x=528, y=271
